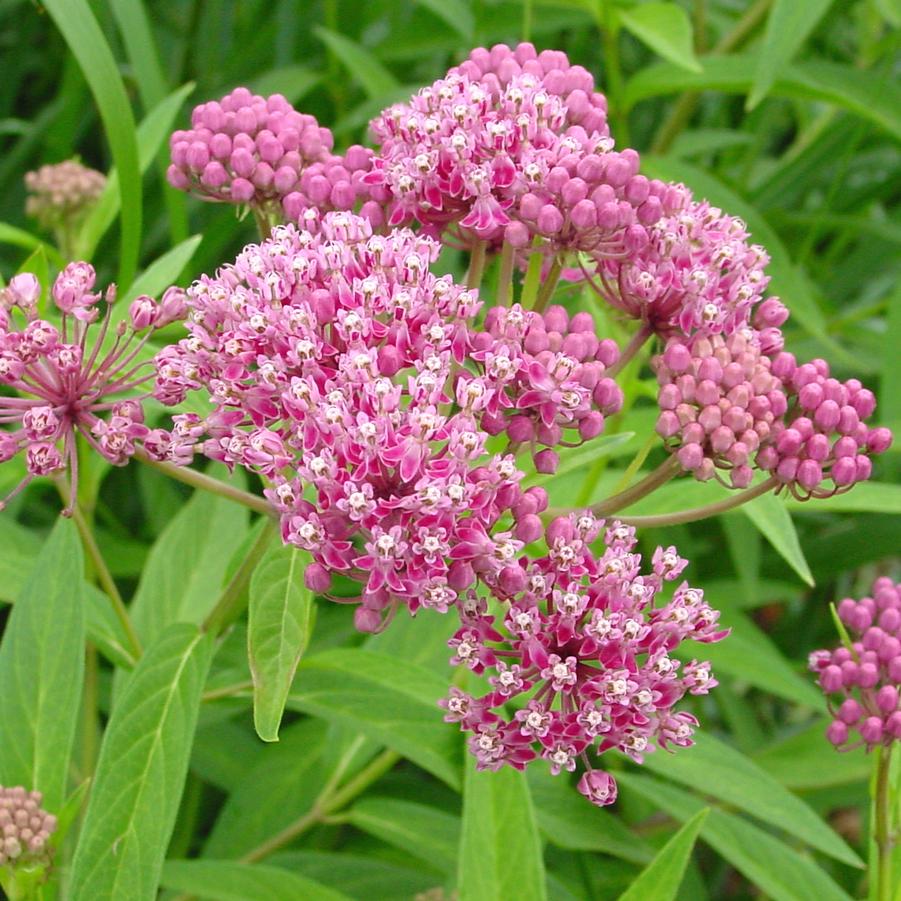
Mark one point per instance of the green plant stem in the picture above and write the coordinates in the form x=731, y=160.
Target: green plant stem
x=90, y=706
x=684, y=108
x=330, y=800
x=882, y=831
x=550, y=283
x=651, y=482
x=696, y=513
x=632, y=348
x=104, y=577
x=227, y=691
x=614, y=73
x=200, y=480
x=505, y=275
x=234, y=598
x=477, y=257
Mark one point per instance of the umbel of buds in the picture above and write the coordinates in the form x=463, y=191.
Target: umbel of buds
x=61, y=193
x=863, y=680
x=25, y=827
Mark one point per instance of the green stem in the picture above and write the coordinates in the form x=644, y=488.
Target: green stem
x=548, y=286
x=526, y=19
x=505, y=275
x=683, y=110
x=532, y=281
x=632, y=348
x=696, y=513
x=227, y=691
x=614, y=73
x=883, y=825
x=651, y=482
x=329, y=801
x=104, y=577
x=234, y=598
x=89, y=713
x=200, y=480
x=477, y=256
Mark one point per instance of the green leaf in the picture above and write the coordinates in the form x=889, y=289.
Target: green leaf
x=186, y=565
x=152, y=132
x=105, y=629
x=227, y=880
x=771, y=517
x=719, y=770
x=425, y=832
x=787, y=27
x=866, y=94
x=666, y=29
x=137, y=33
x=41, y=667
x=160, y=274
x=768, y=863
x=18, y=237
x=141, y=770
x=390, y=700
x=569, y=822
x=660, y=881
x=280, y=623
x=294, y=82
x=362, y=66
x=454, y=13
x=21, y=547
x=500, y=851
x=865, y=497
x=76, y=21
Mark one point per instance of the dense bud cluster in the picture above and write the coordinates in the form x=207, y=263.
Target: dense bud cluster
x=65, y=385
x=514, y=144
x=582, y=647
x=248, y=149
x=729, y=401
x=25, y=827
x=867, y=674
x=61, y=193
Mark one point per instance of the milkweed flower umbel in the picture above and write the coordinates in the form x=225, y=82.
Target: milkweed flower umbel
x=60, y=194
x=863, y=681
x=66, y=384
x=579, y=657
x=352, y=378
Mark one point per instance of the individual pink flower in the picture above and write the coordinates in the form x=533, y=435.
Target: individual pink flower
x=66, y=385
x=586, y=654
x=863, y=681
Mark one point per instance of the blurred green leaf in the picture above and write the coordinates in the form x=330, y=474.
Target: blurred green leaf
x=661, y=879
x=861, y=92
x=141, y=770
x=361, y=65
x=41, y=669
x=18, y=237
x=76, y=21
x=186, y=565
x=769, y=514
x=772, y=865
x=425, y=832
x=666, y=29
x=280, y=622
x=720, y=771
x=20, y=550
x=500, y=851
x=294, y=82
x=151, y=133
x=865, y=497
x=787, y=27
x=388, y=699
x=105, y=629
x=454, y=13
x=228, y=880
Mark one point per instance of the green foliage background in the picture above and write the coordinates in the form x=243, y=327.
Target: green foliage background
x=787, y=113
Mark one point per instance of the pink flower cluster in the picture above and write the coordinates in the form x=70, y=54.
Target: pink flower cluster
x=63, y=385
x=255, y=150
x=338, y=361
x=866, y=675
x=729, y=401
x=547, y=373
x=25, y=827
x=582, y=655
x=691, y=270
x=514, y=144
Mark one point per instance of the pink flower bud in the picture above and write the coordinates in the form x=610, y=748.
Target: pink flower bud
x=871, y=730
x=837, y=733
x=546, y=461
